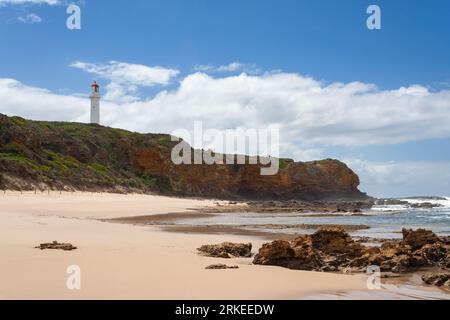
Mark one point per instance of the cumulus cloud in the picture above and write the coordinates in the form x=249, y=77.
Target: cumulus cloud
x=31, y=18
x=41, y=104
x=310, y=114
x=126, y=78
x=232, y=67
x=402, y=179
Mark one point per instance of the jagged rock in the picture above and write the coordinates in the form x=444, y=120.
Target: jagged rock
x=446, y=263
x=227, y=250
x=56, y=246
x=221, y=267
x=437, y=279
x=372, y=251
x=332, y=249
x=336, y=241
x=326, y=250
x=436, y=252
x=418, y=238
x=278, y=249
x=298, y=255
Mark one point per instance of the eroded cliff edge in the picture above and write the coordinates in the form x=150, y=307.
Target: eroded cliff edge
x=73, y=156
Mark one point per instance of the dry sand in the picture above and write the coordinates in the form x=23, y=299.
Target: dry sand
x=120, y=261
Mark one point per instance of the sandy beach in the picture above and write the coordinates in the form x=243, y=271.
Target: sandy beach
x=122, y=261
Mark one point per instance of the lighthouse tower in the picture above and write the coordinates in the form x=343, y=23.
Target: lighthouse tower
x=95, y=103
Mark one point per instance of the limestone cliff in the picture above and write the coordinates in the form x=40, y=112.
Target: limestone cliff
x=72, y=156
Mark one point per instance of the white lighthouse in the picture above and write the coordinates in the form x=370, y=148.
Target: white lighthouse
x=95, y=103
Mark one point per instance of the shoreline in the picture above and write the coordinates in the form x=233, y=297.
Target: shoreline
x=120, y=261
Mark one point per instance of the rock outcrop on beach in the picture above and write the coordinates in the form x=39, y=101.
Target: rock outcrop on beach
x=332, y=249
x=55, y=245
x=220, y=267
x=437, y=279
x=227, y=250
x=71, y=156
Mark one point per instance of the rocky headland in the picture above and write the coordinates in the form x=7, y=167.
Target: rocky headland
x=37, y=155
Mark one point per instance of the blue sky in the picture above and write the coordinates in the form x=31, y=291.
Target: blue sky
x=383, y=98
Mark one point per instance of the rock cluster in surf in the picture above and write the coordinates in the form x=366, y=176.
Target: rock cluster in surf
x=332, y=249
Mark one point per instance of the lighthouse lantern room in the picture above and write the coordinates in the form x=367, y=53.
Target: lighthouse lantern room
x=95, y=103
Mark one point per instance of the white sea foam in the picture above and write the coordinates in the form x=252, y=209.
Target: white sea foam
x=444, y=203
x=389, y=208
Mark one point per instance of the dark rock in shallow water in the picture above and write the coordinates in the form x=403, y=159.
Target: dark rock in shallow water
x=323, y=206
x=425, y=205
x=227, y=250
x=421, y=205
x=391, y=202
x=56, y=246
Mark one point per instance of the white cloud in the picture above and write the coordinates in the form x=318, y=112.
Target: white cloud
x=402, y=179
x=232, y=67
x=31, y=18
x=310, y=114
x=126, y=78
x=38, y=104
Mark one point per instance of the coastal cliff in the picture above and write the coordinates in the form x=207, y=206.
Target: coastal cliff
x=72, y=156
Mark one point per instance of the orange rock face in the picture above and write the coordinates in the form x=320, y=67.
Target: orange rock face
x=327, y=179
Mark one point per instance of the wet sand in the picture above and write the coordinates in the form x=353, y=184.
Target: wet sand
x=174, y=222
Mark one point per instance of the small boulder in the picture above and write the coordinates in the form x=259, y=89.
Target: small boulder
x=298, y=255
x=416, y=239
x=56, y=246
x=220, y=267
x=270, y=252
x=227, y=250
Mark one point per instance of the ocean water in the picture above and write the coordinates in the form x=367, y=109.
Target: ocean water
x=384, y=221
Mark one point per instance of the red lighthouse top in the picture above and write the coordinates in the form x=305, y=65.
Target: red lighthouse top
x=95, y=86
